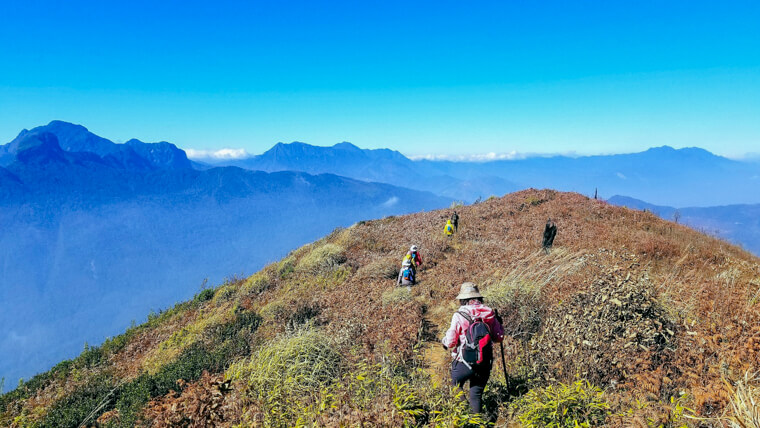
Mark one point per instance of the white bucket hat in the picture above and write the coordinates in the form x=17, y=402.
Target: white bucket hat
x=468, y=290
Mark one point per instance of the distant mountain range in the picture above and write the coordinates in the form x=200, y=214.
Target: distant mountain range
x=380, y=165
x=683, y=177
x=133, y=155
x=739, y=224
x=94, y=234
x=663, y=175
x=669, y=177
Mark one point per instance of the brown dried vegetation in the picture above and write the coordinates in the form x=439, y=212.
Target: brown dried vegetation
x=644, y=308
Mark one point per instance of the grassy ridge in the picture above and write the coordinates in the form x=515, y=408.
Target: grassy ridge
x=641, y=320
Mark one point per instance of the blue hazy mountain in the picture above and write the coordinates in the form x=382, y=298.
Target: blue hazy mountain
x=134, y=154
x=380, y=165
x=93, y=239
x=161, y=155
x=372, y=164
x=738, y=224
x=664, y=175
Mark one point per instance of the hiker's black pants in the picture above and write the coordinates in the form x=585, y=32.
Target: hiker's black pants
x=478, y=378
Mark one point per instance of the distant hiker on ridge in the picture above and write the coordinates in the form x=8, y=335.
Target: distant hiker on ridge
x=474, y=328
x=550, y=231
x=455, y=221
x=448, y=230
x=406, y=274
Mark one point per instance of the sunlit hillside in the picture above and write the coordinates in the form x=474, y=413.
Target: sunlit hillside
x=629, y=321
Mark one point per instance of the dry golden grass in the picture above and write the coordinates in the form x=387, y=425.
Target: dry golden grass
x=343, y=283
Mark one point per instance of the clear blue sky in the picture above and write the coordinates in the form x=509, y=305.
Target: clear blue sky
x=439, y=77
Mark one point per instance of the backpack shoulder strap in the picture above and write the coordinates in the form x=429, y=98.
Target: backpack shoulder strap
x=465, y=315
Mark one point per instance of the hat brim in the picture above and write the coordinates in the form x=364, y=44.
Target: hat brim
x=471, y=295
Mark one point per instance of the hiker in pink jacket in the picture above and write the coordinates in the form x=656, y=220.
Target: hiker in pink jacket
x=474, y=327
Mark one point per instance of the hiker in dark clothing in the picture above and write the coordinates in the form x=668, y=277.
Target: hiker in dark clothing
x=550, y=231
x=472, y=364
x=455, y=221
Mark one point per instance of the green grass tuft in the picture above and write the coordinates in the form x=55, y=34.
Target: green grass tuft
x=396, y=295
x=322, y=259
x=576, y=405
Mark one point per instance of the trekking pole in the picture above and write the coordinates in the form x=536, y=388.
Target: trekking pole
x=503, y=361
x=504, y=366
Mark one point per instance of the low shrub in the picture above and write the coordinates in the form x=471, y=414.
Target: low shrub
x=304, y=314
x=224, y=293
x=396, y=295
x=204, y=295
x=188, y=367
x=322, y=259
x=385, y=268
x=358, y=394
x=90, y=357
x=745, y=401
x=286, y=267
x=449, y=408
x=275, y=310
x=520, y=303
x=204, y=403
x=72, y=410
x=181, y=339
x=391, y=395
x=605, y=332
x=257, y=283
x=155, y=319
x=286, y=373
x=534, y=200
x=298, y=362
x=229, y=341
x=579, y=404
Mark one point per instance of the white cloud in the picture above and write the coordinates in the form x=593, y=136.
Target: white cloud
x=481, y=157
x=488, y=157
x=747, y=157
x=222, y=154
x=620, y=174
x=391, y=202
